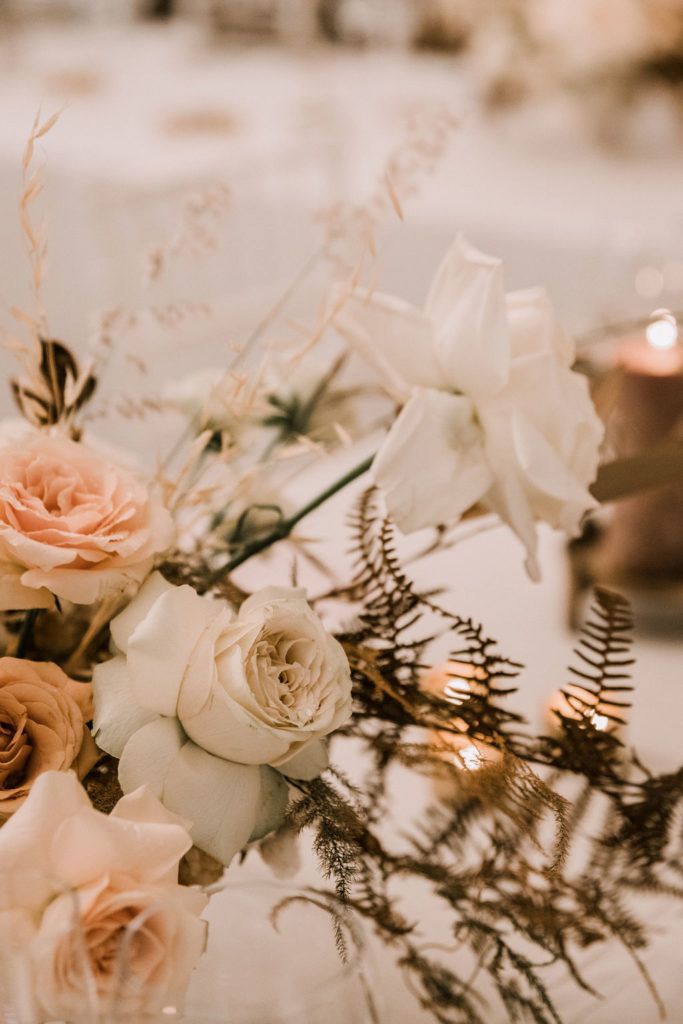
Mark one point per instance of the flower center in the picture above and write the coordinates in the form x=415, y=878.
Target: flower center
x=284, y=680
x=15, y=745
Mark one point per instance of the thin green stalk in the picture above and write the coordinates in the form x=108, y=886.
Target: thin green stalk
x=286, y=525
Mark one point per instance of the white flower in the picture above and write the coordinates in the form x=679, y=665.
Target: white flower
x=307, y=399
x=202, y=705
x=493, y=412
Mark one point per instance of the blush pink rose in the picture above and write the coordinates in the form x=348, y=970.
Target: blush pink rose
x=92, y=916
x=72, y=523
x=139, y=942
x=42, y=727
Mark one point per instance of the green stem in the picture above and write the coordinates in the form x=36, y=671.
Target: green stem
x=285, y=526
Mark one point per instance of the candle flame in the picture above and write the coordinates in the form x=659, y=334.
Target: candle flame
x=662, y=332
x=471, y=757
x=457, y=691
x=599, y=722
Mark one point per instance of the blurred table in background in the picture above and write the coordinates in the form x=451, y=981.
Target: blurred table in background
x=152, y=111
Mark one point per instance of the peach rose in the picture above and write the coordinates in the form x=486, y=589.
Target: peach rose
x=42, y=727
x=104, y=925
x=72, y=523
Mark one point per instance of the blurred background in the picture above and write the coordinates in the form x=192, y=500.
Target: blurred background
x=565, y=159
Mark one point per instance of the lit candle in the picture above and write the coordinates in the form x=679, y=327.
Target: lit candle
x=469, y=754
x=571, y=704
x=456, y=682
x=644, y=539
x=453, y=681
x=657, y=352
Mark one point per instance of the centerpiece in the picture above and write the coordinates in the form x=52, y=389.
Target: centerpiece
x=161, y=716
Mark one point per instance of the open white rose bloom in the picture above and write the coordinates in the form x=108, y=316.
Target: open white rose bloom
x=493, y=412
x=211, y=708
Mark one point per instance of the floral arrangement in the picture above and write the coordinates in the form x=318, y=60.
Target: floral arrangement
x=160, y=716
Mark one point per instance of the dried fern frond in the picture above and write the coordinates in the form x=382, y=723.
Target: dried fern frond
x=599, y=679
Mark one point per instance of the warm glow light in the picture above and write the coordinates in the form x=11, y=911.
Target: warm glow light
x=454, y=681
x=456, y=691
x=594, y=716
x=662, y=333
x=170, y=1011
x=471, y=757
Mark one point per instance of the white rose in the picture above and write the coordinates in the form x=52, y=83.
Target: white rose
x=202, y=705
x=493, y=412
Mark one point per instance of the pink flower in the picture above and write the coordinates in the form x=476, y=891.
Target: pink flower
x=42, y=727
x=90, y=906
x=72, y=523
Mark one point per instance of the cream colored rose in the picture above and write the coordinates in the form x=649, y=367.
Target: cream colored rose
x=201, y=701
x=104, y=924
x=72, y=523
x=42, y=727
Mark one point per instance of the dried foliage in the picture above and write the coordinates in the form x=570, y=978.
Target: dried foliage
x=427, y=134
x=493, y=846
x=56, y=390
x=196, y=234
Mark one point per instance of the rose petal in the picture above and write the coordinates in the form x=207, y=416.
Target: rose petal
x=14, y=596
x=160, y=647
x=88, y=845
x=142, y=805
x=117, y=714
x=272, y=803
x=148, y=754
x=24, y=855
x=87, y=586
x=124, y=624
x=222, y=799
x=226, y=728
x=308, y=762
